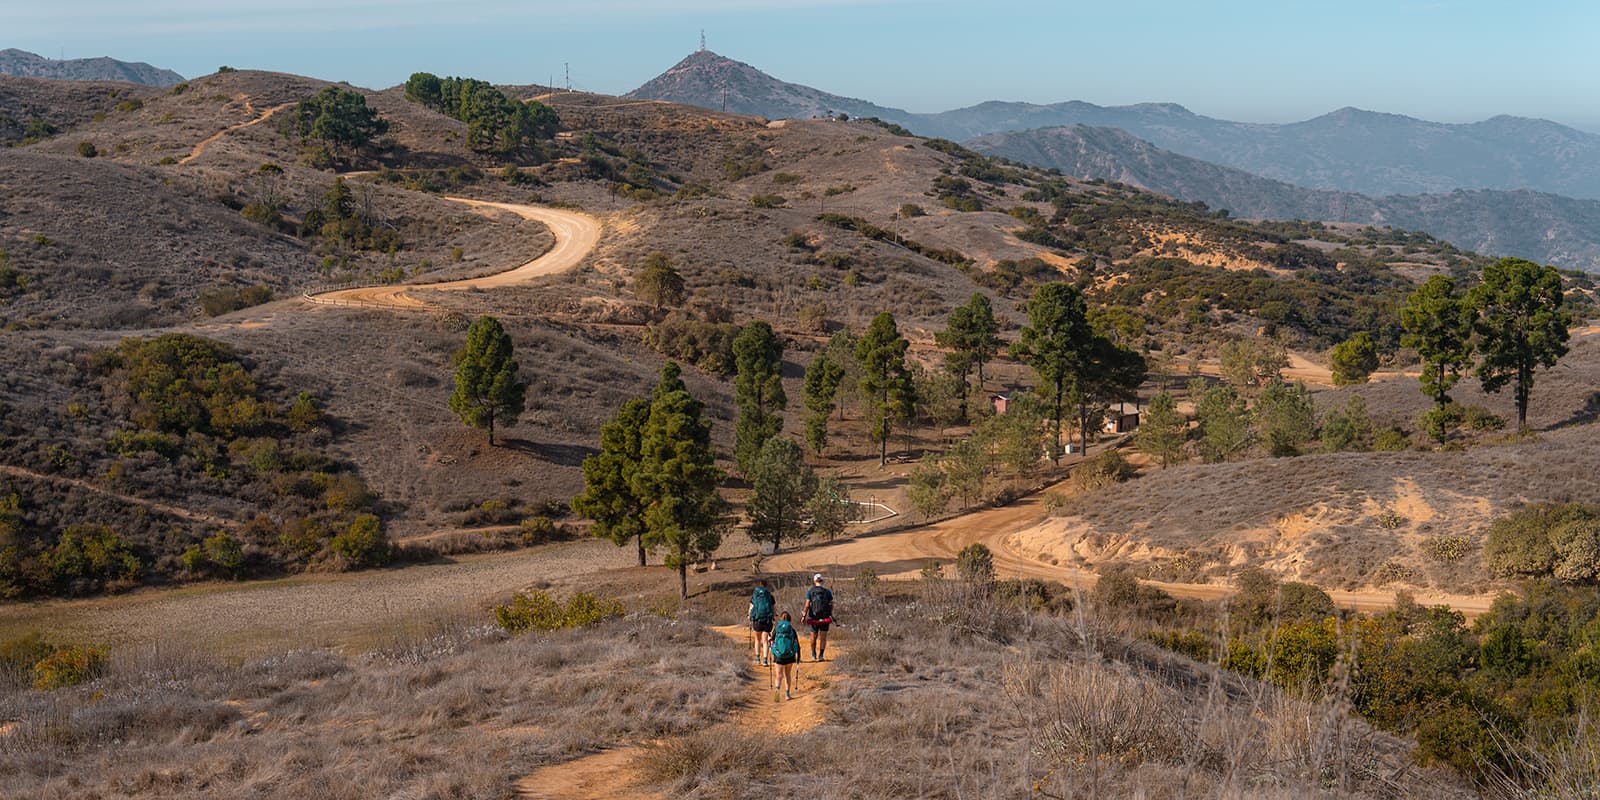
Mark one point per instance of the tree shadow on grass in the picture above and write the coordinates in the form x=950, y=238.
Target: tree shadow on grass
x=566, y=455
x=1583, y=416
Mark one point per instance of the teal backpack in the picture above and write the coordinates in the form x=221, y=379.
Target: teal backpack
x=761, y=604
x=785, y=642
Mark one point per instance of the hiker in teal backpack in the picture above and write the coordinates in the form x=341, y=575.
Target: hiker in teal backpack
x=818, y=616
x=785, y=652
x=761, y=620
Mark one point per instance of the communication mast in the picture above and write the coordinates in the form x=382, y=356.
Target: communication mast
x=702, y=40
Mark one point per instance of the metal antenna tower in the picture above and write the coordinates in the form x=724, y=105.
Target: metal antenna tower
x=702, y=40
x=568, y=67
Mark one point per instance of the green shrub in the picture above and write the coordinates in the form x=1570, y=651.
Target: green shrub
x=538, y=611
x=221, y=300
x=87, y=150
x=68, y=666
x=224, y=552
x=133, y=104
x=768, y=201
x=538, y=530
x=17, y=656
x=363, y=543
x=783, y=178
x=89, y=557
x=1391, y=440
x=1446, y=548
x=1545, y=540
x=975, y=564
x=1103, y=470
x=909, y=210
x=1481, y=419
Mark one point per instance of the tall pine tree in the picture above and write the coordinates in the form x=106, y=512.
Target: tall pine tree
x=1521, y=326
x=488, y=390
x=608, y=480
x=821, y=390
x=677, y=478
x=973, y=337
x=1438, y=324
x=758, y=392
x=885, y=379
x=1056, y=343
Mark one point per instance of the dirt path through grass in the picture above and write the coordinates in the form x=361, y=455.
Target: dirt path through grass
x=182, y=513
x=903, y=555
x=576, y=234
x=201, y=147
x=614, y=774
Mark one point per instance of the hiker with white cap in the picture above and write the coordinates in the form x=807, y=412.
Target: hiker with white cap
x=818, y=616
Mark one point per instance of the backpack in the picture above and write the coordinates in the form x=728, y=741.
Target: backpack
x=761, y=604
x=785, y=642
x=821, y=603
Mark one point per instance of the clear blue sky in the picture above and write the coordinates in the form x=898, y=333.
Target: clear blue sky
x=1257, y=60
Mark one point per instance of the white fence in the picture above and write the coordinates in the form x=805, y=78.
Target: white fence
x=866, y=512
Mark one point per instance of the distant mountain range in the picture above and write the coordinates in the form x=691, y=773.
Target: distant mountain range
x=1537, y=225
x=1347, y=150
x=33, y=65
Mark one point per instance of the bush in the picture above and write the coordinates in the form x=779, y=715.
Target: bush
x=1546, y=540
x=1103, y=470
x=975, y=564
x=768, y=201
x=537, y=611
x=87, y=557
x=17, y=656
x=363, y=543
x=1391, y=440
x=538, y=530
x=1446, y=548
x=87, y=150
x=226, y=299
x=68, y=666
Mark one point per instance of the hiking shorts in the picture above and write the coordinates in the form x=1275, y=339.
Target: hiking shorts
x=786, y=660
x=761, y=625
x=819, y=625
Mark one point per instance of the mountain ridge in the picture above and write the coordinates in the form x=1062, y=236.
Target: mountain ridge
x=1545, y=227
x=103, y=68
x=1348, y=149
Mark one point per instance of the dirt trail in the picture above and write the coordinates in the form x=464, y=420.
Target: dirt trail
x=201, y=147
x=576, y=234
x=612, y=775
x=183, y=513
x=903, y=555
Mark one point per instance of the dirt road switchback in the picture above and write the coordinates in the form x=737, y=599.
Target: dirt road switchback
x=576, y=234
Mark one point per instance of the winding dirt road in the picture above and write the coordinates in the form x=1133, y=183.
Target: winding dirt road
x=181, y=513
x=576, y=234
x=903, y=555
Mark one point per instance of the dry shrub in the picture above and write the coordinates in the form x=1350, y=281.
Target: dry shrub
x=713, y=756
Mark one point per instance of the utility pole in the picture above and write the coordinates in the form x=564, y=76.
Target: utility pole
x=568, y=67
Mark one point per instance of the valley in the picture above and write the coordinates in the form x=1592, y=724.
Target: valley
x=427, y=441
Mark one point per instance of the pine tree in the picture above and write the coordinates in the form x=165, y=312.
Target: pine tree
x=758, y=392
x=1354, y=359
x=677, y=478
x=972, y=334
x=1521, y=326
x=783, y=485
x=1162, y=431
x=487, y=387
x=1224, y=421
x=885, y=379
x=1056, y=343
x=829, y=509
x=608, y=480
x=1438, y=324
x=821, y=391
x=660, y=283
x=1285, y=417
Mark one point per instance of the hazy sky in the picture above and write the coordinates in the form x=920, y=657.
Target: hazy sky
x=1257, y=60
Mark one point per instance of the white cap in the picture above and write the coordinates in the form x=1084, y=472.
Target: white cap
x=817, y=578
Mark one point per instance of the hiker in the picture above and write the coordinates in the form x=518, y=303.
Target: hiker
x=785, y=652
x=761, y=620
x=818, y=615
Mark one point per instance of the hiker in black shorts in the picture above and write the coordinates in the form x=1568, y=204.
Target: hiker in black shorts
x=818, y=616
x=785, y=652
x=761, y=619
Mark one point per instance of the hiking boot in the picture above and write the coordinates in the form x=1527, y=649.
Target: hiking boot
x=788, y=696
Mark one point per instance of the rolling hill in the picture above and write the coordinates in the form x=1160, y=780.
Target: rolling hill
x=1544, y=227
x=33, y=65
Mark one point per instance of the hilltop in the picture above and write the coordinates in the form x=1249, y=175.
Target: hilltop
x=33, y=65
x=1544, y=227
x=708, y=80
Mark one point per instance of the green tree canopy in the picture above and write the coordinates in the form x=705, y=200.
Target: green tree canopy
x=1286, y=417
x=1438, y=324
x=1252, y=363
x=608, y=480
x=973, y=337
x=885, y=379
x=340, y=117
x=783, y=486
x=821, y=391
x=677, y=478
x=660, y=283
x=757, y=391
x=1354, y=359
x=495, y=122
x=488, y=390
x=1162, y=431
x=1056, y=343
x=1521, y=326
x=1224, y=421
